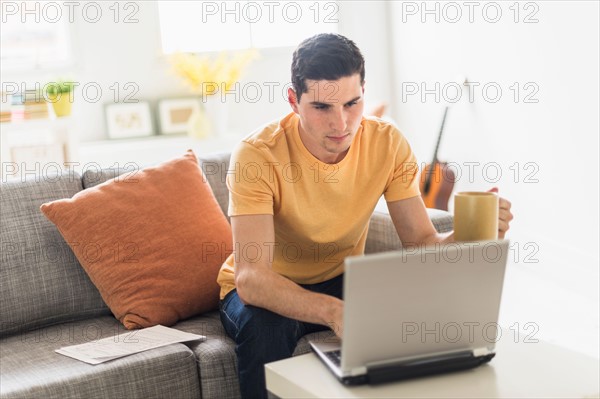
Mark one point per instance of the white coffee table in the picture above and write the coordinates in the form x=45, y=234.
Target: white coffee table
x=519, y=370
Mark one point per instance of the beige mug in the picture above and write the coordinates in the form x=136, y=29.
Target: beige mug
x=476, y=216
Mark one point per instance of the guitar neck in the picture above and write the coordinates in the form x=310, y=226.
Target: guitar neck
x=439, y=139
x=435, y=158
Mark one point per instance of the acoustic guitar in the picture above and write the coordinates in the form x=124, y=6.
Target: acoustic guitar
x=437, y=179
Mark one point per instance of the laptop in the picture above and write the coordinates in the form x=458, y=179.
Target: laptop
x=418, y=312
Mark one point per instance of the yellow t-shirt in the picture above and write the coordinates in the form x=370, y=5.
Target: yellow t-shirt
x=320, y=211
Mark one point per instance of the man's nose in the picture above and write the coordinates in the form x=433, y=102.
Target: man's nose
x=338, y=122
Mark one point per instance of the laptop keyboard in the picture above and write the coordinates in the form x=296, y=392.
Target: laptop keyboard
x=335, y=357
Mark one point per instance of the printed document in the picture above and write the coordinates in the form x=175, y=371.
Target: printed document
x=126, y=344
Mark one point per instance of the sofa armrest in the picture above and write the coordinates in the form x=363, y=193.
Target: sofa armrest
x=382, y=234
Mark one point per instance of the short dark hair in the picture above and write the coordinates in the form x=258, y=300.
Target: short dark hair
x=326, y=56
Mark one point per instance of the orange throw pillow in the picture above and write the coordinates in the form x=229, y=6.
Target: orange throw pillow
x=152, y=242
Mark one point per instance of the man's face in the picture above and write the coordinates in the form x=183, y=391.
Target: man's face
x=330, y=113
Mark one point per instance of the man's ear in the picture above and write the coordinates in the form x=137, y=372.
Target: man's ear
x=293, y=100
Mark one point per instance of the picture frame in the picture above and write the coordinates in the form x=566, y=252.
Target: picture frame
x=174, y=114
x=127, y=120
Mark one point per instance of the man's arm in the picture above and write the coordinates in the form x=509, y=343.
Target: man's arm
x=258, y=285
x=413, y=225
x=415, y=228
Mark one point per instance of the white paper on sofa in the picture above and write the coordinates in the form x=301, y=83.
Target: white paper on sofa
x=134, y=341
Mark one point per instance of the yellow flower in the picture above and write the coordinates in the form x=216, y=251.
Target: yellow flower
x=206, y=75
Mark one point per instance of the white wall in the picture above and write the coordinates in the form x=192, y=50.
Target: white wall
x=559, y=134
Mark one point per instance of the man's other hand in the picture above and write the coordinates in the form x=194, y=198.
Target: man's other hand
x=504, y=214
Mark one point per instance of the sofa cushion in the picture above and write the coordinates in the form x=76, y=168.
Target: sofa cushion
x=31, y=369
x=152, y=242
x=215, y=167
x=216, y=358
x=217, y=361
x=41, y=281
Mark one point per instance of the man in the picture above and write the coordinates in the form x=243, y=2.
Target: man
x=301, y=197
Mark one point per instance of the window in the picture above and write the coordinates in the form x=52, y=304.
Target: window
x=204, y=26
x=31, y=41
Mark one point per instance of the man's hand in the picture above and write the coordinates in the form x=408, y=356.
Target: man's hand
x=504, y=214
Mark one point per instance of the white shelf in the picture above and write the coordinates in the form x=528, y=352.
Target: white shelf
x=147, y=151
x=35, y=146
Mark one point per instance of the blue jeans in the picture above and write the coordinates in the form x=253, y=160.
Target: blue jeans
x=262, y=336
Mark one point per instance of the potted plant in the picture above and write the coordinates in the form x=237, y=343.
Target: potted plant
x=59, y=94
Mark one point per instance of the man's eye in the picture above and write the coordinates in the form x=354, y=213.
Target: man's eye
x=352, y=103
x=320, y=107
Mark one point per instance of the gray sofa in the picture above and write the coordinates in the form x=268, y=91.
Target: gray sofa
x=47, y=301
